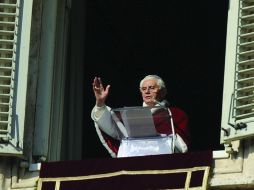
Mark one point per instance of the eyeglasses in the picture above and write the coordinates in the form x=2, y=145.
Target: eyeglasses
x=149, y=88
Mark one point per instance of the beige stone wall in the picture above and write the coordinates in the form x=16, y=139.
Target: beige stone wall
x=236, y=171
x=16, y=175
x=5, y=172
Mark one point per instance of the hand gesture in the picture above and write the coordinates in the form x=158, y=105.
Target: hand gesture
x=100, y=93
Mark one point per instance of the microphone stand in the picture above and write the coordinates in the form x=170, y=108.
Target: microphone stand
x=172, y=125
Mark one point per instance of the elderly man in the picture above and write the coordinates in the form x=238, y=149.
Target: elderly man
x=153, y=91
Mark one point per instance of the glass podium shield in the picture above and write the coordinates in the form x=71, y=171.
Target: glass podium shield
x=139, y=135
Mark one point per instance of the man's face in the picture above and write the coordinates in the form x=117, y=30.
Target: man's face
x=150, y=91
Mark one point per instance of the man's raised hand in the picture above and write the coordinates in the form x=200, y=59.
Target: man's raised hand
x=100, y=92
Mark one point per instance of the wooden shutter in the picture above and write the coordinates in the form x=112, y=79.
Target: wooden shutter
x=15, y=21
x=238, y=97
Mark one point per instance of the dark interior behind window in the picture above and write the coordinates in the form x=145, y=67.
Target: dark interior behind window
x=181, y=41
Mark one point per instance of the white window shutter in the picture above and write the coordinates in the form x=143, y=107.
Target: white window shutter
x=15, y=24
x=238, y=95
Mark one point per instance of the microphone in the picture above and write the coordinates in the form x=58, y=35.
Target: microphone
x=157, y=102
x=163, y=103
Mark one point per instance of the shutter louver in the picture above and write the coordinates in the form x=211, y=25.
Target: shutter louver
x=244, y=80
x=8, y=32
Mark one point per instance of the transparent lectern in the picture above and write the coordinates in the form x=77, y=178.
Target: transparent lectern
x=139, y=135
